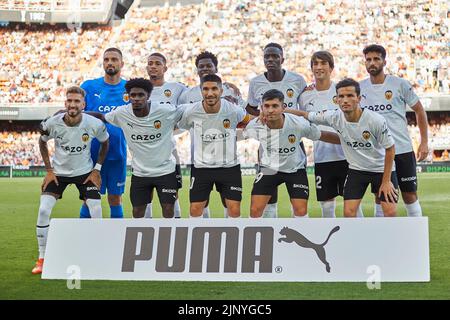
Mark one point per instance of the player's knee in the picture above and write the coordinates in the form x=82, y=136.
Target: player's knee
x=256, y=211
x=409, y=197
x=390, y=211
x=139, y=212
x=114, y=199
x=95, y=208
x=45, y=208
x=299, y=211
x=167, y=210
x=234, y=211
x=196, y=209
x=350, y=212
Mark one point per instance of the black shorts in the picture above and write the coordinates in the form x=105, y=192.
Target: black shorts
x=228, y=182
x=330, y=179
x=357, y=182
x=179, y=176
x=296, y=183
x=87, y=191
x=141, y=189
x=274, y=198
x=405, y=167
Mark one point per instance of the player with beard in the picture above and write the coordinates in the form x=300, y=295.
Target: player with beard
x=104, y=95
x=73, y=132
x=289, y=83
x=207, y=64
x=388, y=96
x=169, y=93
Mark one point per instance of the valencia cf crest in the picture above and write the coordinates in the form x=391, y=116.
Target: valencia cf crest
x=366, y=135
x=292, y=138
x=290, y=93
x=335, y=100
x=157, y=124
x=85, y=137
x=167, y=93
x=388, y=95
x=126, y=98
x=226, y=123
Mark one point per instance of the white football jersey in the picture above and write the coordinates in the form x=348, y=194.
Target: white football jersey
x=213, y=135
x=292, y=85
x=149, y=138
x=364, y=142
x=73, y=144
x=194, y=94
x=280, y=148
x=169, y=92
x=390, y=99
x=313, y=100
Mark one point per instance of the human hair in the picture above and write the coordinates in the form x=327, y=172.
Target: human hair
x=375, y=48
x=211, y=78
x=323, y=55
x=157, y=54
x=114, y=50
x=76, y=89
x=348, y=82
x=273, y=94
x=207, y=55
x=274, y=45
x=139, y=83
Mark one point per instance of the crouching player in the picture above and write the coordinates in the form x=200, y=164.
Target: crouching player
x=281, y=158
x=73, y=132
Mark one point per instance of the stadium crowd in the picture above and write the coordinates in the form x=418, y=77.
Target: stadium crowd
x=40, y=61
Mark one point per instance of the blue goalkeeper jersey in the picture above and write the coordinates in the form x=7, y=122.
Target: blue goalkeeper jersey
x=103, y=97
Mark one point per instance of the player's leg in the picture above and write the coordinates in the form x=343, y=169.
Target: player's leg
x=229, y=182
x=355, y=186
x=200, y=189
x=149, y=208
x=179, y=176
x=116, y=174
x=389, y=208
x=262, y=191
x=90, y=194
x=298, y=190
x=47, y=201
x=84, y=211
x=405, y=165
x=327, y=187
x=167, y=188
x=140, y=194
x=271, y=209
x=339, y=176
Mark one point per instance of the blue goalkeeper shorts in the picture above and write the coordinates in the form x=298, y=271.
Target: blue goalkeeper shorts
x=114, y=174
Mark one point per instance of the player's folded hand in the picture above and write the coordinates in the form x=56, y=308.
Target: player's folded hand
x=49, y=177
x=95, y=178
x=389, y=191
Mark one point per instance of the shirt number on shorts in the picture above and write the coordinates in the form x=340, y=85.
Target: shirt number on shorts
x=258, y=177
x=318, y=182
x=192, y=182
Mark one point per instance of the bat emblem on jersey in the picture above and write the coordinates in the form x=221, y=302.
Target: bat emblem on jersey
x=85, y=137
x=290, y=93
x=366, y=135
x=226, y=123
x=388, y=95
x=126, y=98
x=167, y=93
x=157, y=124
x=291, y=138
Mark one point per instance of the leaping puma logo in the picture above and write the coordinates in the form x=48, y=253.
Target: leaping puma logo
x=294, y=236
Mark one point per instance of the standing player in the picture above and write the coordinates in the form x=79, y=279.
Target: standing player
x=73, y=132
x=207, y=63
x=104, y=95
x=368, y=147
x=280, y=159
x=388, y=95
x=289, y=83
x=164, y=92
x=330, y=166
x=213, y=124
x=148, y=129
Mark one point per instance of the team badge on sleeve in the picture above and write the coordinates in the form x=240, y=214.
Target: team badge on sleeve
x=157, y=124
x=366, y=135
x=292, y=138
x=226, y=123
x=388, y=94
x=167, y=93
x=126, y=98
x=290, y=93
x=85, y=137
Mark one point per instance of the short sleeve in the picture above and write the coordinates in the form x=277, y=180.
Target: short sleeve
x=408, y=93
x=184, y=122
x=383, y=134
x=101, y=132
x=252, y=95
x=113, y=117
x=309, y=130
x=322, y=117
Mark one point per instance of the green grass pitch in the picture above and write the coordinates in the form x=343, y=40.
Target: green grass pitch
x=19, y=205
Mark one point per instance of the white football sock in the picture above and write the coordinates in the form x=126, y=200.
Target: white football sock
x=414, y=209
x=176, y=209
x=328, y=209
x=359, y=212
x=95, y=208
x=43, y=222
x=148, y=210
x=378, y=210
x=225, y=213
x=305, y=216
x=191, y=217
x=206, y=213
x=270, y=211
